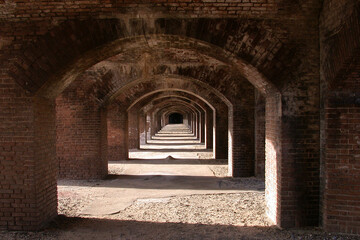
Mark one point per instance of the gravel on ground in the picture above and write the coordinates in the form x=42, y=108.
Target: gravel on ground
x=238, y=215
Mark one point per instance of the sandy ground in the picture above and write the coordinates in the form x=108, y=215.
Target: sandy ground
x=229, y=211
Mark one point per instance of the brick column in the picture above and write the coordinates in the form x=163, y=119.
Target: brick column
x=241, y=140
x=142, y=128
x=78, y=131
x=221, y=132
x=273, y=155
x=133, y=129
x=209, y=129
x=259, y=135
x=28, y=169
x=150, y=126
x=202, y=127
x=117, y=133
x=298, y=169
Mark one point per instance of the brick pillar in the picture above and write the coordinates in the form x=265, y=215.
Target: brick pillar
x=133, y=129
x=197, y=125
x=155, y=125
x=342, y=161
x=78, y=132
x=117, y=133
x=28, y=169
x=203, y=127
x=241, y=140
x=259, y=135
x=221, y=130
x=273, y=155
x=142, y=128
x=298, y=176
x=104, y=144
x=209, y=129
x=150, y=126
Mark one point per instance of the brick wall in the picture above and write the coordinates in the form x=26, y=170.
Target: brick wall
x=58, y=11
x=78, y=130
x=242, y=138
x=117, y=130
x=340, y=71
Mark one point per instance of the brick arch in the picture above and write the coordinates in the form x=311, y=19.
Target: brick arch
x=199, y=112
x=71, y=67
x=115, y=72
x=133, y=92
x=66, y=51
x=180, y=107
x=187, y=99
x=172, y=103
x=147, y=87
x=160, y=96
x=238, y=129
x=174, y=100
x=134, y=113
x=273, y=140
x=170, y=106
x=147, y=104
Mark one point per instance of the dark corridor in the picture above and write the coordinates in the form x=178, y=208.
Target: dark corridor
x=175, y=118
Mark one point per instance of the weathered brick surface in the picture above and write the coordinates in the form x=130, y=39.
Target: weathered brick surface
x=28, y=195
x=78, y=129
x=340, y=71
x=272, y=52
x=241, y=129
x=273, y=148
x=45, y=174
x=117, y=133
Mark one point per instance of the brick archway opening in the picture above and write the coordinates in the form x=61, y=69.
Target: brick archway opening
x=236, y=129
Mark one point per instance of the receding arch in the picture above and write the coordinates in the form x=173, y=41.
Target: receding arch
x=149, y=103
x=162, y=106
x=115, y=36
x=83, y=60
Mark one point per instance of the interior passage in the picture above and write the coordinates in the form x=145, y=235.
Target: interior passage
x=270, y=87
x=174, y=136
x=175, y=141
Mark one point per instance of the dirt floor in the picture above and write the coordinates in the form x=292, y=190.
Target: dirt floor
x=162, y=201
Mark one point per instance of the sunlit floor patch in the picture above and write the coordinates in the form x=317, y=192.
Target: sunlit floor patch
x=145, y=179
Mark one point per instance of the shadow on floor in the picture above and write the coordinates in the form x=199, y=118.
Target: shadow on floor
x=86, y=228
x=80, y=228
x=158, y=182
x=174, y=161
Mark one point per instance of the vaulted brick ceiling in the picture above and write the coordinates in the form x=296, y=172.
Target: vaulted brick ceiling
x=60, y=56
